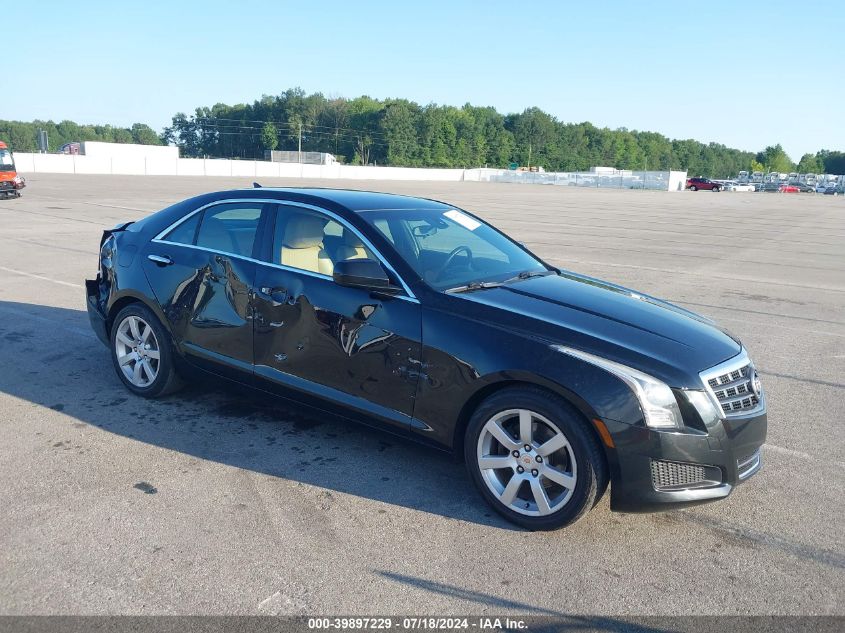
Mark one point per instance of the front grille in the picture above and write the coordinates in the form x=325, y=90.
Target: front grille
x=6, y=185
x=666, y=475
x=733, y=388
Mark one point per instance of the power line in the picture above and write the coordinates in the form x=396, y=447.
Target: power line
x=214, y=121
x=347, y=134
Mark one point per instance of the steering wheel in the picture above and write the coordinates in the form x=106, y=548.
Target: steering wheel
x=451, y=257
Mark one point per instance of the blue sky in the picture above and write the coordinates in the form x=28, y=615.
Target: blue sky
x=745, y=74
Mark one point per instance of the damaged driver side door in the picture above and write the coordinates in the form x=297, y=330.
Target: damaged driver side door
x=327, y=343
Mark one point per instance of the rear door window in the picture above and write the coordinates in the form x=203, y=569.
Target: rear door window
x=230, y=228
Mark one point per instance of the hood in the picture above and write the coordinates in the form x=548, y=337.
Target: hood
x=631, y=328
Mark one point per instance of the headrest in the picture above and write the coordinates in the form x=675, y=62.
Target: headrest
x=304, y=231
x=351, y=240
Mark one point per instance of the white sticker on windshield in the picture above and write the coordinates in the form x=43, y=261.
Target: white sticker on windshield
x=463, y=219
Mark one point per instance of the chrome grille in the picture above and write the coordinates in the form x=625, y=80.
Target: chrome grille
x=732, y=385
x=675, y=474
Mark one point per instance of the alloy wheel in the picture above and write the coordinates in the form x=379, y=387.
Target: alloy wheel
x=527, y=462
x=137, y=351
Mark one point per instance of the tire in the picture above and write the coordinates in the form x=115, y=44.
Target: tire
x=577, y=465
x=693, y=188
x=143, y=374
x=717, y=189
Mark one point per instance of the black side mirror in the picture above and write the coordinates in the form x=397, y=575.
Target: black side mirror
x=362, y=273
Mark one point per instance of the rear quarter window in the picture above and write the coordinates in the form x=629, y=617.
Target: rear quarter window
x=185, y=232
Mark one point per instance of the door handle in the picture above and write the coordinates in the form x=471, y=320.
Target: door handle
x=162, y=260
x=279, y=295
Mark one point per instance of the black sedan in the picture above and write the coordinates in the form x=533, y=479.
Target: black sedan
x=421, y=319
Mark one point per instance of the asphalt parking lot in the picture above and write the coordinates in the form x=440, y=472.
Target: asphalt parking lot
x=211, y=501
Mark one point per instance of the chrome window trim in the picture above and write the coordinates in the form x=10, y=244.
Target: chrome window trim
x=732, y=364
x=159, y=239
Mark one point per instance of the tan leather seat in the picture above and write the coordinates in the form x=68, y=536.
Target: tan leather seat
x=302, y=246
x=352, y=248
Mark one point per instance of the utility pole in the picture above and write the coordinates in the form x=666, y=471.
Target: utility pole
x=300, y=142
x=529, y=157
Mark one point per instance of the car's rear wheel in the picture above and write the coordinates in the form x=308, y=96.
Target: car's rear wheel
x=533, y=458
x=717, y=189
x=142, y=354
x=693, y=188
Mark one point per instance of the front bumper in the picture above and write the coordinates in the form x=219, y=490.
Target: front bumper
x=11, y=185
x=658, y=470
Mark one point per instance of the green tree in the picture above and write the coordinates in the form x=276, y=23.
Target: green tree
x=775, y=159
x=400, y=129
x=269, y=136
x=832, y=162
x=143, y=134
x=535, y=135
x=809, y=164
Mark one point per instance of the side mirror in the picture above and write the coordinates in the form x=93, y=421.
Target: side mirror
x=362, y=273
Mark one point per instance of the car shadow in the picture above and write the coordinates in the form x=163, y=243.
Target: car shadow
x=539, y=619
x=52, y=359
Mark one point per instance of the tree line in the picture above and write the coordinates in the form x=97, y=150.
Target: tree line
x=23, y=137
x=400, y=132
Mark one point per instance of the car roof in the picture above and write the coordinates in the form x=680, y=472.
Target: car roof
x=339, y=200
x=351, y=199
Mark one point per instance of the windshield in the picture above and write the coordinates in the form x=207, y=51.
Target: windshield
x=449, y=248
x=6, y=162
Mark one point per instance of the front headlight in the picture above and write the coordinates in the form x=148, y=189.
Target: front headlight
x=703, y=403
x=655, y=397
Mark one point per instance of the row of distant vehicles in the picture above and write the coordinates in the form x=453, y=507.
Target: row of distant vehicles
x=829, y=184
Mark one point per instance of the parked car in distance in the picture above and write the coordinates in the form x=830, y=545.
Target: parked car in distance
x=788, y=189
x=805, y=188
x=70, y=148
x=737, y=186
x=421, y=319
x=703, y=184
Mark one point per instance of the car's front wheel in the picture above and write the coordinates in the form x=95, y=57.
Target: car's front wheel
x=693, y=188
x=533, y=458
x=141, y=352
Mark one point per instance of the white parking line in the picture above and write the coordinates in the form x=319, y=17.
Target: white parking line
x=34, y=276
x=28, y=316
x=800, y=455
x=788, y=451
x=115, y=206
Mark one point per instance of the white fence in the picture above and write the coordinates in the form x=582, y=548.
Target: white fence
x=164, y=166
x=150, y=166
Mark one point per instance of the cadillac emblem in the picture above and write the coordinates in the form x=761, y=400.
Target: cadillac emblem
x=755, y=384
